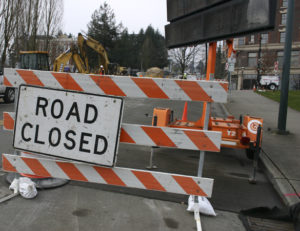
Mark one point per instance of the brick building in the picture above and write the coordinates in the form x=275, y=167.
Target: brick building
x=272, y=51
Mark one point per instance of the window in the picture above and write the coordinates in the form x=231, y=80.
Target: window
x=241, y=41
x=280, y=58
x=283, y=19
x=264, y=38
x=284, y=3
x=252, y=59
x=282, y=37
x=295, y=58
x=251, y=39
x=295, y=82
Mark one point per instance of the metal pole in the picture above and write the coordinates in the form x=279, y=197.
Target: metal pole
x=202, y=153
x=16, y=152
x=258, y=62
x=151, y=164
x=229, y=87
x=286, y=69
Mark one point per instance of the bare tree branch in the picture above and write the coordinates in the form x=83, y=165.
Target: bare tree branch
x=184, y=56
x=53, y=13
x=8, y=25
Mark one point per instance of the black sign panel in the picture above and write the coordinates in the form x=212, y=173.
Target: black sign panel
x=179, y=8
x=230, y=19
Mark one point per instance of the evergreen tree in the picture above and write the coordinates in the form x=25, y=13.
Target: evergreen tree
x=153, y=51
x=201, y=67
x=138, y=51
x=103, y=28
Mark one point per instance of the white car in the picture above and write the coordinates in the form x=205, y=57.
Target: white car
x=269, y=81
x=7, y=93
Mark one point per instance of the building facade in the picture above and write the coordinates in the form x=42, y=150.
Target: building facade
x=264, y=52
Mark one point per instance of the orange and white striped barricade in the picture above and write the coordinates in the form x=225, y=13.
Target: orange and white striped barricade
x=185, y=90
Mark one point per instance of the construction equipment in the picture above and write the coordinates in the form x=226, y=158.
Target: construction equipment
x=61, y=61
x=236, y=133
x=78, y=53
x=34, y=60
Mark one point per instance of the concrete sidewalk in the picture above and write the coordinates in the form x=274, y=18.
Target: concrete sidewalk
x=280, y=153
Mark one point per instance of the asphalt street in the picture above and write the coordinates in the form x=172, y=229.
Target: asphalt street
x=86, y=206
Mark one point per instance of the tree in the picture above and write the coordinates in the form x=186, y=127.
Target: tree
x=125, y=52
x=53, y=12
x=139, y=51
x=183, y=56
x=267, y=61
x=201, y=67
x=9, y=10
x=153, y=51
x=29, y=25
x=103, y=28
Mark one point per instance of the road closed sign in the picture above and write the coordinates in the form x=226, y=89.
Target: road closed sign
x=66, y=124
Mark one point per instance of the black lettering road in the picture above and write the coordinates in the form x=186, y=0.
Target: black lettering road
x=74, y=112
x=41, y=103
x=60, y=108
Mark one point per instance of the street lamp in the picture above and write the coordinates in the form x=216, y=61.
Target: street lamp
x=242, y=68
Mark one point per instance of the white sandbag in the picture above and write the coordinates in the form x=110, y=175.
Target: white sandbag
x=27, y=188
x=204, y=206
x=14, y=185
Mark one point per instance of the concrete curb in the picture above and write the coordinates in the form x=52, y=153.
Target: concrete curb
x=280, y=183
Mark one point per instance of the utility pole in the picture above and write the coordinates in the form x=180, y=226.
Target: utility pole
x=286, y=69
x=258, y=61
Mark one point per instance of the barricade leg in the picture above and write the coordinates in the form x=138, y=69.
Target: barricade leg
x=197, y=214
x=252, y=180
x=200, y=170
x=151, y=165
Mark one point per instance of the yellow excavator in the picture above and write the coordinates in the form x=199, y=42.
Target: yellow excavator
x=34, y=60
x=62, y=60
x=78, y=53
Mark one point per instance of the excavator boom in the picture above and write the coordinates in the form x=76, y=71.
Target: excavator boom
x=79, y=55
x=83, y=42
x=61, y=61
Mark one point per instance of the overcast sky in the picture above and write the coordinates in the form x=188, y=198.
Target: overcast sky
x=134, y=14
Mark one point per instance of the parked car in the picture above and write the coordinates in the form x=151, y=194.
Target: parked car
x=7, y=93
x=269, y=81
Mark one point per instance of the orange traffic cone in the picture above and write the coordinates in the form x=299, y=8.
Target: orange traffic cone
x=184, y=114
x=254, y=88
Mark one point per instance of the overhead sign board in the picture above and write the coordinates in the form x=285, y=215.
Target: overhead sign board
x=182, y=8
x=73, y=125
x=216, y=20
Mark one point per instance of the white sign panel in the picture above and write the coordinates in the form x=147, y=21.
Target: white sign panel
x=230, y=67
x=72, y=125
x=232, y=60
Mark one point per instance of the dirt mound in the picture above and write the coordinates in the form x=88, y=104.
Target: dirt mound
x=155, y=72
